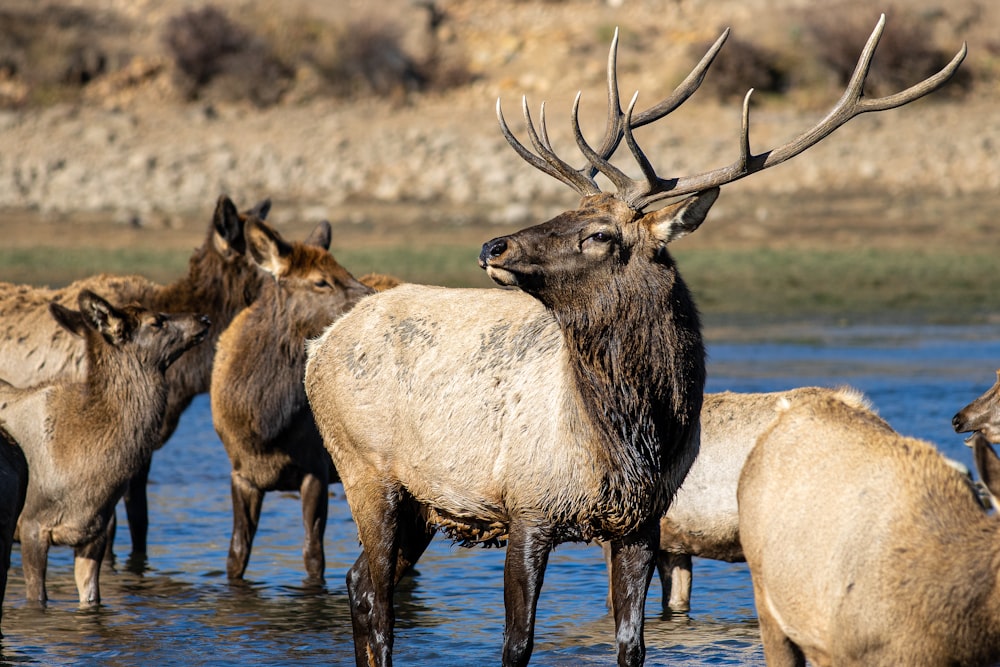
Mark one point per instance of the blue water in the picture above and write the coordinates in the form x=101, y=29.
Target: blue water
x=182, y=611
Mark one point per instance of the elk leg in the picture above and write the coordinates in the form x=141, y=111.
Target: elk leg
x=34, y=560
x=247, y=501
x=631, y=571
x=137, y=509
x=87, y=570
x=606, y=551
x=414, y=536
x=528, y=550
x=315, y=506
x=779, y=650
x=371, y=580
x=675, y=575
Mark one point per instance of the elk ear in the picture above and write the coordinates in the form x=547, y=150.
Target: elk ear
x=260, y=210
x=987, y=463
x=228, y=225
x=677, y=220
x=103, y=318
x=267, y=248
x=321, y=236
x=71, y=320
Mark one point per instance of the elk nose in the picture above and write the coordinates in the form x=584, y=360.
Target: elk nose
x=493, y=248
x=956, y=422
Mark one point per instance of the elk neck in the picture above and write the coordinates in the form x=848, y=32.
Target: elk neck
x=639, y=367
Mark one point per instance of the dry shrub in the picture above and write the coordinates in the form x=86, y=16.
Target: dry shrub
x=906, y=53
x=217, y=59
x=53, y=51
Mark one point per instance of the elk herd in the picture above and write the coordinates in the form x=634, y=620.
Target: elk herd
x=568, y=407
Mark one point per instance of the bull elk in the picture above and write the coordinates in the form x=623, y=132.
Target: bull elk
x=866, y=547
x=563, y=410
x=259, y=405
x=85, y=439
x=220, y=282
x=982, y=414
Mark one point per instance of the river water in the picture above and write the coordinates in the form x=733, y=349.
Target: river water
x=181, y=611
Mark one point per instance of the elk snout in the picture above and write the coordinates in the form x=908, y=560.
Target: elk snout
x=492, y=250
x=958, y=423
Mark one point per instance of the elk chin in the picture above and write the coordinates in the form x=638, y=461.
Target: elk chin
x=502, y=277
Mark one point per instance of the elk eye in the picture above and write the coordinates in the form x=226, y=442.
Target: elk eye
x=599, y=237
x=322, y=284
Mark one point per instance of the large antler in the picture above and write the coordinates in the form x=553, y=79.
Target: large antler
x=639, y=193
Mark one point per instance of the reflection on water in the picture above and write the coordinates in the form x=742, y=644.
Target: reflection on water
x=181, y=610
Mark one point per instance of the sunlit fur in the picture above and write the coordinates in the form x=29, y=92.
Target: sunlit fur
x=867, y=547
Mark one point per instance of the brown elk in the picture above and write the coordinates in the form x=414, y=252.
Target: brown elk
x=982, y=414
x=703, y=518
x=84, y=440
x=259, y=405
x=220, y=282
x=866, y=547
x=566, y=409
x=13, y=487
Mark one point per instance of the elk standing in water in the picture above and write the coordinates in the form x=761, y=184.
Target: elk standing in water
x=85, y=439
x=564, y=410
x=868, y=548
x=220, y=282
x=259, y=405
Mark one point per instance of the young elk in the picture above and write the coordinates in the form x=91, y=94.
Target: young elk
x=259, y=404
x=220, y=282
x=982, y=415
x=703, y=519
x=865, y=547
x=566, y=409
x=84, y=440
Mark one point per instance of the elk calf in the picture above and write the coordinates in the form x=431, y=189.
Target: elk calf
x=703, y=519
x=259, y=404
x=84, y=440
x=866, y=547
x=220, y=282
x=982, y=414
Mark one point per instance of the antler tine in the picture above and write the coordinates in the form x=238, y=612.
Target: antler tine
x=549, y=162
x=615, y=125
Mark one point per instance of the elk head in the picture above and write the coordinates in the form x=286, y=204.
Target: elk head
x=306, y=267
x=156, y=339
x=981, y=415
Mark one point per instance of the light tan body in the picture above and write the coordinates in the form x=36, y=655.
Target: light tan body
x=866, y=547
x=483, y=435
